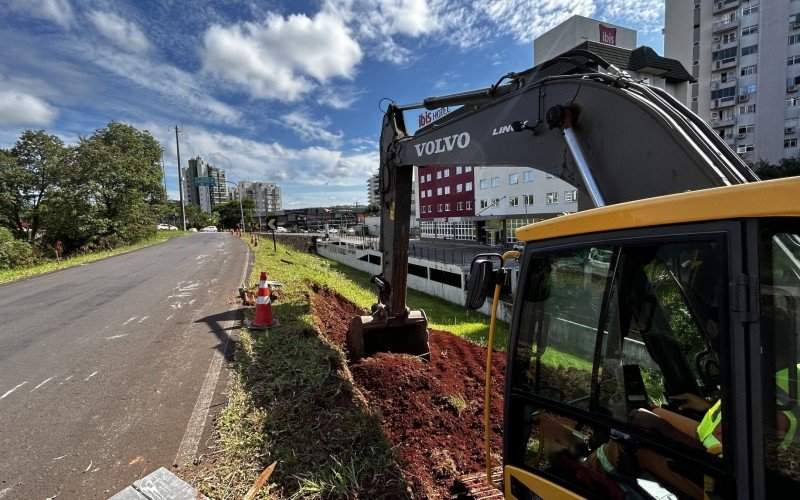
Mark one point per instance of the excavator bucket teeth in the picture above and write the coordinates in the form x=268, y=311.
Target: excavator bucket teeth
x=368, y=335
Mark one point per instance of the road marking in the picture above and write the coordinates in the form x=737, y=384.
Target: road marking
x=133, y=318
x=200, y=256
x=142, y=319
x=169, y=317
x=4, y=492
x=90, y=376
x=68, y=378
x=44, y=382
x=194, y=429
x=117, y=336
x=12, y=390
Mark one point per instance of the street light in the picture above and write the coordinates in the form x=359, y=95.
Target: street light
x=239, y=192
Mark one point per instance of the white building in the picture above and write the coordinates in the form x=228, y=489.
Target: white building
x=745, y=56
x=266, y=199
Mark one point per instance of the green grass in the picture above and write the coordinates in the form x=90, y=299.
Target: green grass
x=47, y=265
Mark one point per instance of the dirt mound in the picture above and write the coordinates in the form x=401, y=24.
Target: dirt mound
x=432, y=411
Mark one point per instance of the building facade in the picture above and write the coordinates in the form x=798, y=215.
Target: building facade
x=197, y=195
x=219, y=191
x=745, y=56
x=446, y=202
x=266, y=199
x=373, y=192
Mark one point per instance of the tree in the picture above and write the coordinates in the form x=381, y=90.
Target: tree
x=786, y=167
x=28, y=174
x=121, y=165
x=230, y=216
x=195, y=217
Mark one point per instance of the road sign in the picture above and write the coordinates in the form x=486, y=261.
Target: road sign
x=205, y=181
x=271, y=224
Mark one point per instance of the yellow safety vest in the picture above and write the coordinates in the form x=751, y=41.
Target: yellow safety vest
x=705, y=431
x=782, y=389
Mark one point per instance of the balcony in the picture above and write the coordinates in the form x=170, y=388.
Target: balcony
x=725, y=45
x=723, y=102
x=721, y=26
x=724, y=64
x=723, y=122
x=722, y=6
x=730, y=82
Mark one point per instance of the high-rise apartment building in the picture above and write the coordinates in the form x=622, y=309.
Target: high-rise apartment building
x=745, y=56
x=373, y=193
x=197, y=195
x=219, y=191
x=266, y=199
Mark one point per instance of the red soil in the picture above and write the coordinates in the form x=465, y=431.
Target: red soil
x=432, y=411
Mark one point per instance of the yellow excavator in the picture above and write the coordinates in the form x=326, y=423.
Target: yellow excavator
x=653, y=345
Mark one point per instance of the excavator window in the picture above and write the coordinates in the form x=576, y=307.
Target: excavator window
x=610, y=336
x=779, y=321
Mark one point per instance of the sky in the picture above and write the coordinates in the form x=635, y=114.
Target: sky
x=271, y=91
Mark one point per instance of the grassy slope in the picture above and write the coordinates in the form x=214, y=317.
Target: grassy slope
x=52, y=265
x=292, y=400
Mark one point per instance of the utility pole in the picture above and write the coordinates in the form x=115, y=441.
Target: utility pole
x=164, y=173
x=180, y=178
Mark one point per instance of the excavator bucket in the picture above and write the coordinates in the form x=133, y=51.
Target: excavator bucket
x=368, y=335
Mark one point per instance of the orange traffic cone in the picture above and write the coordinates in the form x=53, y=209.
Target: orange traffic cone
x=252, y=239
x=263, y=318
x=256, y=243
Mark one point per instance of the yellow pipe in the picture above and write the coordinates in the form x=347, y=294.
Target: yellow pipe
x=488, y=387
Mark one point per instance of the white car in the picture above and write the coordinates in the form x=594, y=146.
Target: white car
x=209, y=229
x=281, y=229
x=163, y=226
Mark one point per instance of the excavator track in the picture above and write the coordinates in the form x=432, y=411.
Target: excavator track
x=475, y=486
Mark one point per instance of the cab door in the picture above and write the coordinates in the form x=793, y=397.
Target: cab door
x=622, y=343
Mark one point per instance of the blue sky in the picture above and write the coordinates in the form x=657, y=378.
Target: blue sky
x=272, y=91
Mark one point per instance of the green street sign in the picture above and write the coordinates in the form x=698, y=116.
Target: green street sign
x=205, y=181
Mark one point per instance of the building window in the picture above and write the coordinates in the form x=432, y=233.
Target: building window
x=570, y=196
x=469, y=205
x=745, y=148
x=446, y=207
x=747, y=89
x=552, y=198
x=793, y=60
x=484, y=203
x=724, y=55
x=460, y=205
x=528, y=199
x=469, y=186
x=696, y=44
x=793, y=39
x=447, y=190
x=430, y=193
x=459, y=188
x=746, y=109
x=720, y=93
x=422, y=209
x=792, y=101
x=429, y=209
x=422, y=194
x=750, y=30
x=527, y=176
x=447, y=172
x=439, y=174
x=459, y=170
x=752, y=9
x=751, y=49
x=496, y=202
x=429, y=177
x=749, y=70
x=746, y=129
x=513, y=178
x=438, y=191
x=696, y=63
x=790, y=143
x=467, y=169
x=439, y=207
x=495, y=182
x=421, y=179
x=513, y=201
x=694, y=99
x=484, y=183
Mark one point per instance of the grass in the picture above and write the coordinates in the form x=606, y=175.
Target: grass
x=48, y=265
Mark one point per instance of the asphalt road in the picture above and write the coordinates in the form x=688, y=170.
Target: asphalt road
x=108, y=370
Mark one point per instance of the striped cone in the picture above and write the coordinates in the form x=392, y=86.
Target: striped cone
x=256, y=243
x=263, y=318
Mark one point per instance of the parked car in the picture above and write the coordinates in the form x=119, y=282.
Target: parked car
x=173, y=228
x=192, y=229
x=164, y=227
x=281, y=229
x=209, y=229
x=350, y=232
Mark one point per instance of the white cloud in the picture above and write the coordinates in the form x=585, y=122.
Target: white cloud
x=311, y=129
x=339, y=96
x=282, y=58
x=18, y=108
x=646, y=15
x=125, y=34
x=56, y=11
x=269, y=161
x=524, y=21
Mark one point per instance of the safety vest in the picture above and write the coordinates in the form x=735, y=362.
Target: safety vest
x=782, y=395
x=705, y=431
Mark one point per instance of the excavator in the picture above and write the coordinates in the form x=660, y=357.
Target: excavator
x=652, y=350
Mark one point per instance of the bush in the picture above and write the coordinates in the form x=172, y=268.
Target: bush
x=13, y=252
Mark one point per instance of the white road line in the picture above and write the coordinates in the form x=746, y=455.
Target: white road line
x=43, y=382
x=90, y=376
x=4, y=492
x=133, y=318
x=142, y=319
x=117, y=336
x=169, y=317
x=68, y=378
x=194, y=429
x=12, y=390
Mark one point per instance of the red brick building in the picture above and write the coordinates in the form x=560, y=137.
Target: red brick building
x=446, y=198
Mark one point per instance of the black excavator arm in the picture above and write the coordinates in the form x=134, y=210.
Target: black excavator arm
x=612, y=138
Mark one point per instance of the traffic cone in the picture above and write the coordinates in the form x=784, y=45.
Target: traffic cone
x=252, y=239
x=263, y=318
x=256, y=243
